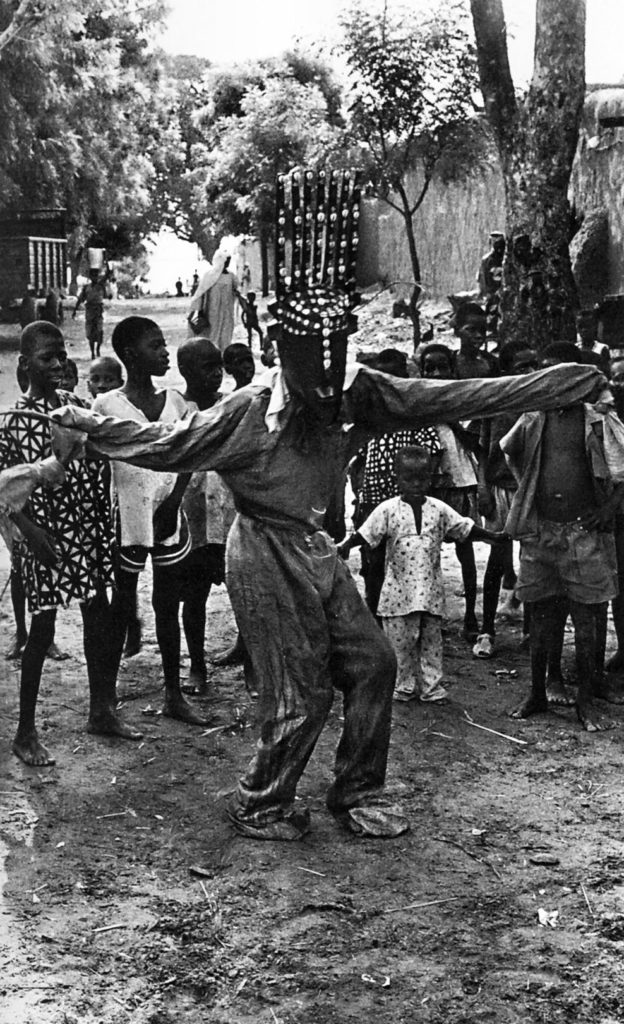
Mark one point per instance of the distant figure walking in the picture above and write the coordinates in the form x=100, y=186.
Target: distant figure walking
x=179, y=287
x=93, y=295
x=212, y=308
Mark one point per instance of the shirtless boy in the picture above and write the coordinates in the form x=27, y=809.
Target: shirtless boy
x=563, y=512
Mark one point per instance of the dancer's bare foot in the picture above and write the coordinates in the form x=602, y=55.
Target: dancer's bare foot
x=133, y=639
x=56, y=654
x=108, y=723
x=557, y=694
x=176, y=706
x=27, y=747
x=587, y=718
x=532, y=705
x=16, y=647
x=198, y=685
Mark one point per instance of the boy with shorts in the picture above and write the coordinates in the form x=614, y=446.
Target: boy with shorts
x=568, y=491
x=208, y=508
x=147, y=505
x=64, y=547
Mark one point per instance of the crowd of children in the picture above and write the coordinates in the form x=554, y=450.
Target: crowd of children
x=552, y=480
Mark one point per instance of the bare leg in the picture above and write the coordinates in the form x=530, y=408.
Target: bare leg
x=465, y=555
x=584, y=619
x=102, y=654
x=555, y=687
x=18, y=600
x=543, y=624
x=497, y=561
x=616, y=662
x=26, y=744
x=166, y=598
x=194, y=621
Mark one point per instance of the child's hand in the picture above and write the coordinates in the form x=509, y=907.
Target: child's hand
x=41, y=544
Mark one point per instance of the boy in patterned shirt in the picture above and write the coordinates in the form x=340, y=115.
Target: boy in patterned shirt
x=64, y=545
x=411, y=603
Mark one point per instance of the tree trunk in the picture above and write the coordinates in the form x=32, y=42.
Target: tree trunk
x=414, y=312
x=537, y=136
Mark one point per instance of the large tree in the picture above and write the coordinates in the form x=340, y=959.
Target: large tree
x=413, y=77
x=536, y=133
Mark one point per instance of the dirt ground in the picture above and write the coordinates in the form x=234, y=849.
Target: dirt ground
x=125, y=895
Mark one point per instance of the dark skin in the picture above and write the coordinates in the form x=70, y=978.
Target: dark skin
x=565, y=493
x=149, y=358
x=500, y=561
x=414, y=482
x=44, y=367
x=470, y=361
x=203, y=374
x=437, y=366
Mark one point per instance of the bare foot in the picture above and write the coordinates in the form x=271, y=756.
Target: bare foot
x=108, y=723
x=27, y=747
x=178, y=707
x=16, y=647
x=532, y=705
x=585, y=715
x=557, y=694
x=198, y=685
x=56, y=654
x=133, y=639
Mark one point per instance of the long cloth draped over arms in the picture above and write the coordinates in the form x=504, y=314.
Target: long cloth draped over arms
x=377, y=401
x=225, y=436
x=228, y=435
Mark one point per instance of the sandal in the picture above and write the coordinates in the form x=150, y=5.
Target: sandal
x=484, y=647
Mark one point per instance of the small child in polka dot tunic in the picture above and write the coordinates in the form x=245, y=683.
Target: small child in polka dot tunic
x=411, y=604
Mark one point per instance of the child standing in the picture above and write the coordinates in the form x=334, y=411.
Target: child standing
x=104, y=375
x=250, y=318
x=205, y=505
x=458, y=480
x=568, y=467
x=239, y=363
x=411, y=603
x=64, y=550
x=148, y=504
x=497, y=486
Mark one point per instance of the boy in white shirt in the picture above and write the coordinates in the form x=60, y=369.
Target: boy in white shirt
x=147, y=504
x=411, y=604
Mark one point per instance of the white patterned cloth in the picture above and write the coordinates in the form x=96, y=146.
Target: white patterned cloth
x=413, y=577
x=417, y=643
